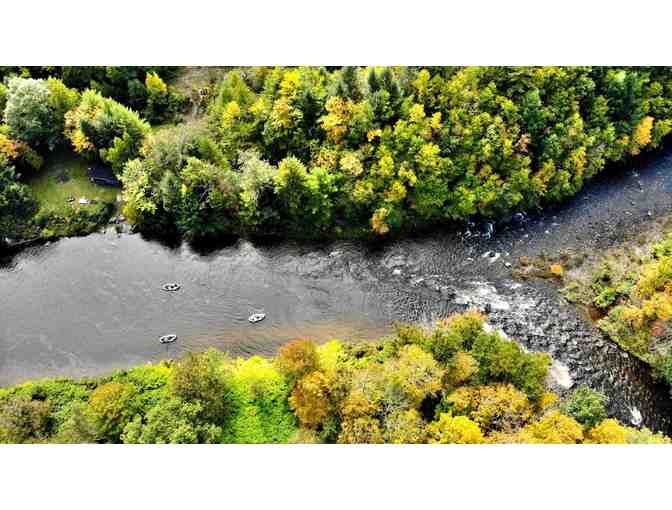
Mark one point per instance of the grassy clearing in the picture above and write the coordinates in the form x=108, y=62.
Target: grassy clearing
x=58, y=186
x=65, y=175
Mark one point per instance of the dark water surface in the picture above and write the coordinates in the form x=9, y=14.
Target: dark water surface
x=88, y=305
x=85, y=305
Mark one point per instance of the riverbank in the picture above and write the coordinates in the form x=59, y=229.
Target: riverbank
x=110, y=311
x=455, y=382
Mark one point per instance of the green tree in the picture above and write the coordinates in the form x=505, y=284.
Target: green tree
x=17, y=203
x=204, y=378
x=586, y=406
x=172, y=421
x=27, y=111
x=112, y=406
x=23, y=420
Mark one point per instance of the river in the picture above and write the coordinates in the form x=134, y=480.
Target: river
x=85, y=306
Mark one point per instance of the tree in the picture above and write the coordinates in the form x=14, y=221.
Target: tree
x=607, y=432
x=410, y=378
x=310, y=399
x=455, y=429
x=112, y=406
x=497, y=407
x=158, y=99
x=204, y=378
x=102, y=127
x=362, y=430
x=27, y=111
x=17, y=203
x=297, y=359
x=61, y=100
x=553, y=428
x=80, y=427
x=23, y=420
x=209, y=199
x=172, y=421
x=586, y=406
x=405, y=427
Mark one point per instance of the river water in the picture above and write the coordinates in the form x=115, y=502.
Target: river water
x=84, y=306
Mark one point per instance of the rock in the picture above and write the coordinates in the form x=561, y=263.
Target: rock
x=447, y=291
x=559, y=374
x=636, y=416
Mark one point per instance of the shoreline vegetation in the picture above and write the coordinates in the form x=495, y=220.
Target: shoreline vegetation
x=317, y=153
x=456, y=383
x=313, y=153
x=626, y=292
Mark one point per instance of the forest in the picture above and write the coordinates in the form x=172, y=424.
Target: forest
x=323, y=153
x=313, y=152
x=457, y=382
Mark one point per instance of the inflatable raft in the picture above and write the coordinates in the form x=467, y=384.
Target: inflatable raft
x=167, y=339
x=256, y=317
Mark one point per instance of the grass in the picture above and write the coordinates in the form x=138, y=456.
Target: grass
x=65, y=175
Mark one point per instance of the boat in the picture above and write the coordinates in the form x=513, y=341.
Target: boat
x=167, y=339
x=256, y=317
x=171, y=287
